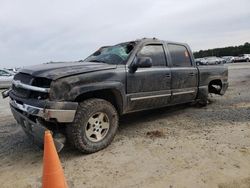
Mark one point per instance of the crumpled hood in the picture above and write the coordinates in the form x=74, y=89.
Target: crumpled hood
x=57, y=70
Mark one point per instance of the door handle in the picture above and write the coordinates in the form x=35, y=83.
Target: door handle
x=191, y=74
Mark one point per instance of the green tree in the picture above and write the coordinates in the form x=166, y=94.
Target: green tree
x=226, y=51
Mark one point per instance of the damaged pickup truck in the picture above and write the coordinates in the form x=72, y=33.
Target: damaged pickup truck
x=81, y=101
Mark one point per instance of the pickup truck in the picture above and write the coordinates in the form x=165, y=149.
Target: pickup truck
x=81, y=102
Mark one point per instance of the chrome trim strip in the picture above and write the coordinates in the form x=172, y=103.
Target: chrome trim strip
x=183, y=92
x=162, y=95
x=27, y=108
x=19, y=84
x=58, y=114
x=149, y=97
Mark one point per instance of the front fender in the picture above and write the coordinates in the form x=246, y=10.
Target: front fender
x=116, y=88
x=79, y=90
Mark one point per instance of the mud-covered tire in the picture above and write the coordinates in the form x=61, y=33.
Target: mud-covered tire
x=76, y=131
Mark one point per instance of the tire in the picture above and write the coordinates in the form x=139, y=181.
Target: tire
x=89, y=133
x=247, y=60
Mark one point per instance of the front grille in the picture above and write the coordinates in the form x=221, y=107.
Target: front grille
x=30, y=80
x=20, y=92
x=41, y=82
x=24, y=78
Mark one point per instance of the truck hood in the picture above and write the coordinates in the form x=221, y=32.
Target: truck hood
x=56, y=70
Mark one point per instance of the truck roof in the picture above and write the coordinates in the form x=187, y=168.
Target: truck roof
x=158, y=40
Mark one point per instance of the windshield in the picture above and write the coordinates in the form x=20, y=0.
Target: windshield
x=117, y=54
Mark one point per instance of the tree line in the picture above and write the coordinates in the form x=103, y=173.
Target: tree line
x=226, y=51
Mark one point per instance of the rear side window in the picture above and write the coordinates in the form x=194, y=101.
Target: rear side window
x=155, y=52
x=179, y=55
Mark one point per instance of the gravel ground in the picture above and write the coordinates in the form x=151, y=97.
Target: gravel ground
x=182, y=146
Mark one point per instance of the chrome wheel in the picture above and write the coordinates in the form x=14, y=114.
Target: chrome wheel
x=97, y=127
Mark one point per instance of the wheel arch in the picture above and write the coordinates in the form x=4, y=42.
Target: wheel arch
x=215, y=86
x=112, y=95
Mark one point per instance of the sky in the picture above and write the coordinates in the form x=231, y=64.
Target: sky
x=38, y=31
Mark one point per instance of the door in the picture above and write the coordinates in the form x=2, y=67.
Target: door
x=149, y=87
x=184, y=74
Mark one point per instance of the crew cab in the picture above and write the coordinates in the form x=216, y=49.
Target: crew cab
x=82, y=101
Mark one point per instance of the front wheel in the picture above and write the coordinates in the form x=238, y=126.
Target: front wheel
x=94, y=126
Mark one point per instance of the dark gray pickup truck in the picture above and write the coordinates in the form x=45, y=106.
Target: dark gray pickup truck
x=81, y=101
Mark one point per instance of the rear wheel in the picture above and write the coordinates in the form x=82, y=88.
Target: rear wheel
x=94, y=127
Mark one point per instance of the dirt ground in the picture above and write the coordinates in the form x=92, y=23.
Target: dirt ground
x=183, y=146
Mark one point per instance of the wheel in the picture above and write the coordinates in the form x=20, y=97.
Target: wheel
x=248, y=60
x=94, y=126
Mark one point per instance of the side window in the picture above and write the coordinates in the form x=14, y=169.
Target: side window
x=179, y=55
x=155, y=52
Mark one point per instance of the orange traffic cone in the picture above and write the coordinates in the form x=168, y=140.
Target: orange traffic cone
x=53, y=176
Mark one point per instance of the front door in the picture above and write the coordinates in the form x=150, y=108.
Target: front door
x=150, y=87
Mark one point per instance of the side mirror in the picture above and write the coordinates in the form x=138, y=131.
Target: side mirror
x=141, y=62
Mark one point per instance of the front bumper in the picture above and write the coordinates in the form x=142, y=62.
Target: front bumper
x=28, y=113
x=62, y=112
x=34, y=130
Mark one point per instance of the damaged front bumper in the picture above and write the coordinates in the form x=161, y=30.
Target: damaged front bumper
x=29, y=112
x=34, y=130
x=61, y=112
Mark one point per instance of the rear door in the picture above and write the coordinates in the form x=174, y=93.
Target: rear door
x=150, y=87
x=184, y=74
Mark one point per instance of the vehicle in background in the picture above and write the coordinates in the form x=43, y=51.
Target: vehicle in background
x=210, y=61
x=222, y=60
x=242, y=58
x=13, y=70
x=228, y=59
x=6, y=78
x=200, y=61
x=214, y=60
